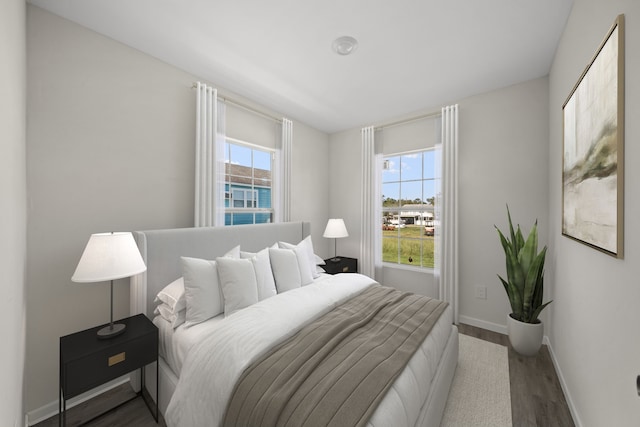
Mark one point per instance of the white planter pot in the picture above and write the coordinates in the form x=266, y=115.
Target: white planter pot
x=525, y=338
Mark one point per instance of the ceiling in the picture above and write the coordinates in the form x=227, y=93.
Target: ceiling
x=412, y=54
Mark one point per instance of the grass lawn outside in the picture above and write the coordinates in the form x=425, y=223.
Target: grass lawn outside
x=415, y=248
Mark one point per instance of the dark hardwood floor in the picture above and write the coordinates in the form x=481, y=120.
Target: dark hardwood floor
x=536, y=395
x=134, y=413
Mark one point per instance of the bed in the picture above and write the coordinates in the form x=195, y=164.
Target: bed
x=417, y=396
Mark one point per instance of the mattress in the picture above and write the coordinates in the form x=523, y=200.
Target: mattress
x=403, y=402
x=175, y=343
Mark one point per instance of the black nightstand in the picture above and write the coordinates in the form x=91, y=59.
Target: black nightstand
x=87, y=362
x=341, y=265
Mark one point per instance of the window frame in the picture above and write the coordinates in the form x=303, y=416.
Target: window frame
x=251, y=188
x=421, y=210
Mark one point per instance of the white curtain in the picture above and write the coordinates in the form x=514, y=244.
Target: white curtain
x=219, y=165
x=446, y=259
x=281, y=199
x=210, y=140
x=370, y=206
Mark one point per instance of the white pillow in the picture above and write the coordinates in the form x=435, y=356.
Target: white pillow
x=306, y=278
x=175, y=319
x=202, y=290
x=306, y=245
x=233, y=253
x=173, y=296
x=286, y=271
x=203, y=295
x=264, y=275
x=319, y=261
x=238, y=282
x=307, y=271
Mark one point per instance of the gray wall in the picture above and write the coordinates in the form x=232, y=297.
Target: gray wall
x=502, y=159
x=13, y=204
x=111, y=147
x=595, y=315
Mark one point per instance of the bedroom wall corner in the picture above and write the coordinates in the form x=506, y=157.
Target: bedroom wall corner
x=13, y=203
x=311, y=171
x=105, y=152
x=502, y=159
x=110, y=147
x=344, y=189
x=503, y=156
x=594, y=315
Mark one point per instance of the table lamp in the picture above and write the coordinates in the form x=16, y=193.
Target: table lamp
x=109, y=256
x=335, y=230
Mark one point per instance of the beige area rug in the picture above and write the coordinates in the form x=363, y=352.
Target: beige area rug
x=480, y=393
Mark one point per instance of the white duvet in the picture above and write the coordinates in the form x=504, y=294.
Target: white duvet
x=214, y=364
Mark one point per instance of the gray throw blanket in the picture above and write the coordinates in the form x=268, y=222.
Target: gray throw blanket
x=335, y=370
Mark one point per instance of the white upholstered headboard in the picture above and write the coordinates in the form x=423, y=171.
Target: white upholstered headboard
x=161, y=251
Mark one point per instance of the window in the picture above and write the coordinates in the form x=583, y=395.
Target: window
x=245, y=198
x=408, y=199
x=248, y=183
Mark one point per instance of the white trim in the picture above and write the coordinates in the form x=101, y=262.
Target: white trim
x=404, y=153
x=563, y=385
x=250, y=145
x=494, y=327
x=490, y=326
x=51, y=409
x=426, y=270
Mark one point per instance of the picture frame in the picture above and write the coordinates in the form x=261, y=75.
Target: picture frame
x=593, y=150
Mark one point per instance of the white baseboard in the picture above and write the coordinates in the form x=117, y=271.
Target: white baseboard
x=501, y=329
x=489, y=326
x=563, y=384
x=51, y=409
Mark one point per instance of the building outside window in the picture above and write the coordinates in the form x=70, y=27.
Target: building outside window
x=248, y=183
x=408, y=202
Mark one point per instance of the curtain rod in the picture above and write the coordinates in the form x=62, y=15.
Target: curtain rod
x=244, y=106
x=411, y=119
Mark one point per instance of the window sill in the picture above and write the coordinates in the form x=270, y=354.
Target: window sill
x=425, y=270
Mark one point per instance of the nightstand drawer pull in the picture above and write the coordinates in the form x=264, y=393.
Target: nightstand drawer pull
x=120, y=357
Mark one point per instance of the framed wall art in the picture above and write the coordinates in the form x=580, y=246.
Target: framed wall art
x=593, y=150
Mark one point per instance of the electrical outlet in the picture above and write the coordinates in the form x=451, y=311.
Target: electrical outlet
x=481, y=292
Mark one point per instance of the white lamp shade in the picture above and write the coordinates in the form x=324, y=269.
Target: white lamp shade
x=335, y=229
x=109, y=256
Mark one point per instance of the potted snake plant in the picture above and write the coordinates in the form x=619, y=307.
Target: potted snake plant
x=524, y=287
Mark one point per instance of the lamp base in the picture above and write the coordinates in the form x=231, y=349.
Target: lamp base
x=336, y=259
x=111, y=331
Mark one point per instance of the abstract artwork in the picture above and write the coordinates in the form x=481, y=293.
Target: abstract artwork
x=592, y=170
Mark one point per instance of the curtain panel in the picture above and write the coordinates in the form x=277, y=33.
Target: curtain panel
x=370, y=207
x=210, y=140
x=446, y=212
x=282, y=197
